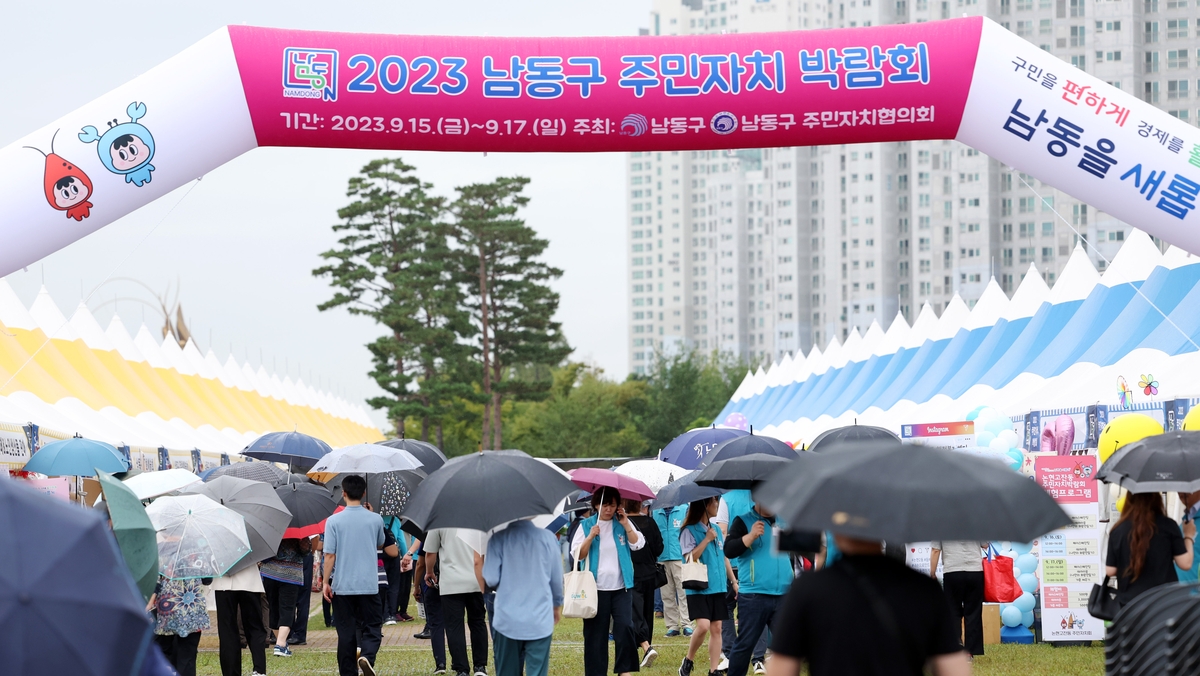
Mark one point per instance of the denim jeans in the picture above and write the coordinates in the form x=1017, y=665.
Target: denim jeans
x=755, y=614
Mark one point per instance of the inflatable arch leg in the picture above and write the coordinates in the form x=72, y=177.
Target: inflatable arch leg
x=966, y=79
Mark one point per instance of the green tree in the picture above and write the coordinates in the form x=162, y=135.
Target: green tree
x=584, y=416
x=394, y=264
x=686, y=390
x=509, y=298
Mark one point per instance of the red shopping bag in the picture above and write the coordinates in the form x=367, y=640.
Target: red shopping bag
x=999, y=583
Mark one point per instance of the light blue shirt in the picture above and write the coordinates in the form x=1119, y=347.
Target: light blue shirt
x=354, y=535
x=530, y=586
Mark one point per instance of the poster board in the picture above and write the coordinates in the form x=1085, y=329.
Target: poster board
x=57, y=487
x=951, y=436
x=1071, y=560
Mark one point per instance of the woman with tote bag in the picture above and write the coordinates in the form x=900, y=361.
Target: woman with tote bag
x=701, y=542
x=603, y=543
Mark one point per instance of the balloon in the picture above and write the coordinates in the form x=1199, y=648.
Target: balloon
x=999, y=444
x=1016, y=454
x=1010, y=437
x=1027, y=563
x=1126, y=429
x=1027, y=618
x=1191, y=422
x=1010, y=615
x=1024, y=602
x=974, y=413
x=1022, y=548
x=984, y=439
x=737, y=421
x=998, y=424
x=1028, y=582
x=1013, y=463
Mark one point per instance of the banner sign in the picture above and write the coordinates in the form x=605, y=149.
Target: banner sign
x=1070, y=560
x=949, y=435
x=966, y=79
x=57, y=487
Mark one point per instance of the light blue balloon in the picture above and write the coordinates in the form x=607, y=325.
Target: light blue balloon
x=1016, y=454
x=1020, y=548
x=1010, y=615
x=1028, y=582
x=998, y=425
x=975, y=412
x=983, y=439
x=1027, y=563
x=1024, y=603
x=1013, y=463
x=1000, y=444
x=1027, y=618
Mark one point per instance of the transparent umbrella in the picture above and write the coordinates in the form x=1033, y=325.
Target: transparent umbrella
x=197, y=537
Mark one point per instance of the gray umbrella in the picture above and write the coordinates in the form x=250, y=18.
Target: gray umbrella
x=265, y=514
x=683, y=491
x=886, y=490
x=254, y=471
x=431, y=458
x=1157, y=464
x=745, y=471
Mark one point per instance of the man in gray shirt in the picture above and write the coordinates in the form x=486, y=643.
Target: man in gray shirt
x=962, y=581
x=352, y=537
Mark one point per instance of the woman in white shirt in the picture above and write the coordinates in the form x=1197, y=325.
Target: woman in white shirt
x=603, y=543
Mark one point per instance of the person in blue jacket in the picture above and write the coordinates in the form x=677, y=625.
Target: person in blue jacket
x=763, y=578
x=604, y=541
x=674, y=600
x=700, y=541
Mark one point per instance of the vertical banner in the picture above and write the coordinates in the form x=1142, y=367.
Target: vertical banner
x=948, y=435
x=224, y=459
x=1097, y=418
x=31, y=436
x=1070, y=557
x=164, y=458
x=197, y=463
x=124, y=449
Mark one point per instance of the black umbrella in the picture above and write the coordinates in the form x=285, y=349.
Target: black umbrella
x=484, y=490
x=750, y=444
x=745, y=471
x=295, y=449
x=832, y=440
x=682, y=491
x=68, y=604
x=886, y=490
x=308, y=503
x=387, y=492
x=431, y=458
x=1157, y=464
x=254, y=471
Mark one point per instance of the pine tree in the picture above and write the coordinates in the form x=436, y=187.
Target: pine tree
x=394, y=264
x=509, y=296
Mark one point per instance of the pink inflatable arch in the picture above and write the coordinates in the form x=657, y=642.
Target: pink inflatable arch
x=966, y=79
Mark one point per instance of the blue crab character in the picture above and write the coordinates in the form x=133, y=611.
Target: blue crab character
x=126, y=148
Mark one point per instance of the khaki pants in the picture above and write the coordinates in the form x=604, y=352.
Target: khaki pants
x=675, y=612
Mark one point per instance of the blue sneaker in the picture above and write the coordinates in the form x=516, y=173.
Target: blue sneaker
x=282, y=651
x=672, y=633
x=610, y=637
x=687, y=631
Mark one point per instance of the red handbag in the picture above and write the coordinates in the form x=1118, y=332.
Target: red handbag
x=999, y=583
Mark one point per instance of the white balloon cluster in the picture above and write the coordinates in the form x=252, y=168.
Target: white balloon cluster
x=995, y=437
x=1025, y=564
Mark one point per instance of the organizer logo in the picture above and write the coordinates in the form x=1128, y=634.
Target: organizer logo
x=634, y=125
x=723, y=123
x=310, y=73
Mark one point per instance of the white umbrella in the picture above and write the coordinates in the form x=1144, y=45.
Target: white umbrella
x=153, y=484
x=363, y=459
x=654, y=473
x=197, y=537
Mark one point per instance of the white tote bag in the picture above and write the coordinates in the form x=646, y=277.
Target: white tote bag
x=579, y=594
x=695, y=575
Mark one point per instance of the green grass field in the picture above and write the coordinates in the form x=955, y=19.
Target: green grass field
x=567, y=658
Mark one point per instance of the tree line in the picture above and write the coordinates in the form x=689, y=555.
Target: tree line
x=471, y=356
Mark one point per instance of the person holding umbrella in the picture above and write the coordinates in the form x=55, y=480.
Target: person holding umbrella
x=239, y=595
x=674, y=600
x=645, y=570
x=1145, y=545
x=763, y=578
x=352, y=537
x=701, y=541
x=180, y=616
x=283, y=580
x=605, y=541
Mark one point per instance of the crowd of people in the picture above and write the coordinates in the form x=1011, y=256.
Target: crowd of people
x=817, y=604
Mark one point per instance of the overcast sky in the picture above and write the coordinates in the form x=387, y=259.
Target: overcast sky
x=242, y=244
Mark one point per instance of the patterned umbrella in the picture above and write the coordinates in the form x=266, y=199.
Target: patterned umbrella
x=254, y=471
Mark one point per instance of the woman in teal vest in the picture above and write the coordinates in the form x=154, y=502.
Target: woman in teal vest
x=701, y=541
x=604, y=542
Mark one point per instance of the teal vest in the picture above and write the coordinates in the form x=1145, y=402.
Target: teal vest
x=759, y=571
x=713, y=558
x=738, y=503
x=622, y=543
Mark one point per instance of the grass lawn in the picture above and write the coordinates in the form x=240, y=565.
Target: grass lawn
x=567, y=658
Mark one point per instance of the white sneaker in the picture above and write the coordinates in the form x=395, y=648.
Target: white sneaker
x=648, y=660
x=366, y=667
x=724, y=665
x=481, y=672
x=760, y=668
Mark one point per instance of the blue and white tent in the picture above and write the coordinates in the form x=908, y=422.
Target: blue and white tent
x=1041, y=349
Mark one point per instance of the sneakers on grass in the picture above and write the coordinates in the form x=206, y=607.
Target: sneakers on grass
x=366, y=667
x=685, y=669
x=759, y=667
x=648, y=660
x=282, y=651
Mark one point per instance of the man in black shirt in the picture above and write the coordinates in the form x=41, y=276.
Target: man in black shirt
x=865, y=615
